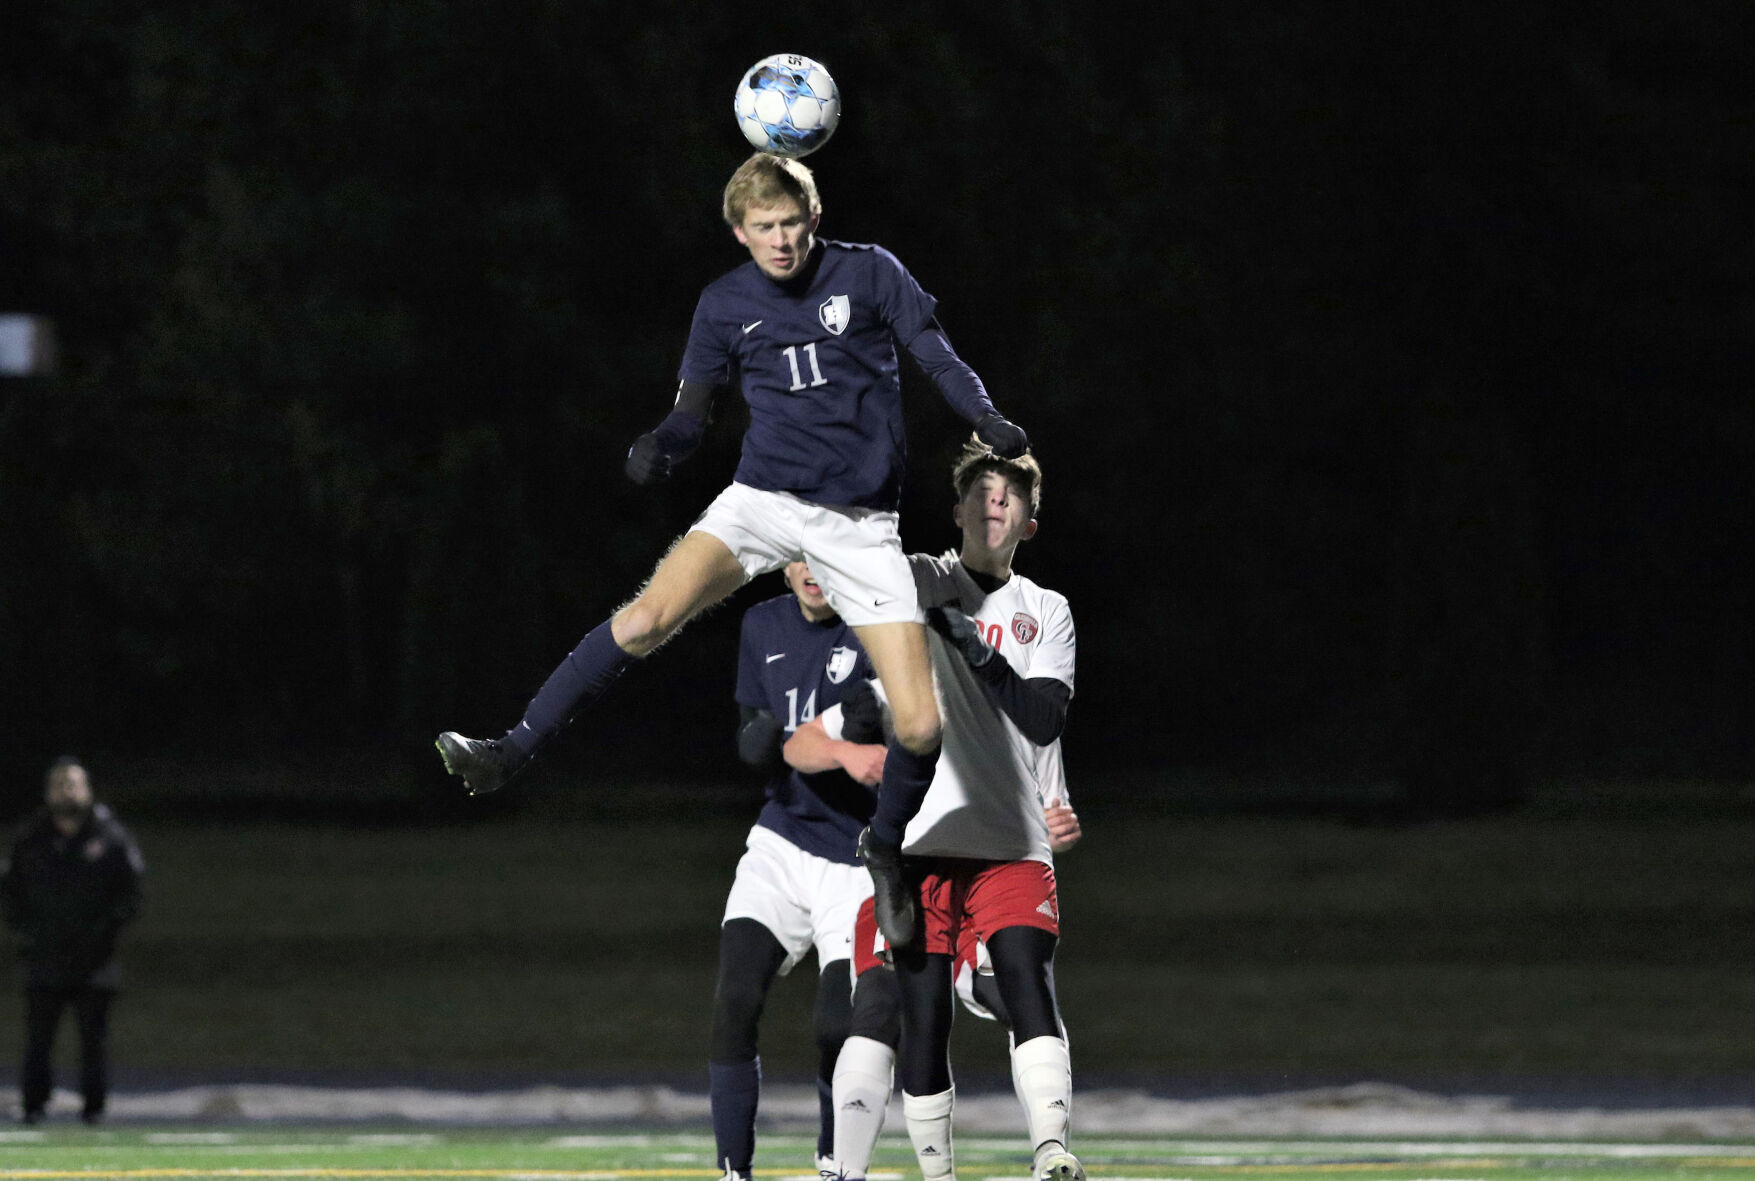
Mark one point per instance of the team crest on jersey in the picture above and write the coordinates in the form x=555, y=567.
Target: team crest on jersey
x=835, y=313
x=1025, y=627
x=841, y=664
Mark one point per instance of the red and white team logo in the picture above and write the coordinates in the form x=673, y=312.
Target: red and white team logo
x=1025, y=627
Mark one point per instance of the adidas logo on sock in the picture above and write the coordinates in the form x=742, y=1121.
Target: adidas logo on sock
x=929, y=1150
x=855, y=1105
x=1057, y=1103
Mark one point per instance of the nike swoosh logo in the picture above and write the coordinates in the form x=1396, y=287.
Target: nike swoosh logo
x=881, y=602
x=773, y=656
x=750, y=327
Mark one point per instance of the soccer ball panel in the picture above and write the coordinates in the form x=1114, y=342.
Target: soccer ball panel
x=772, y=107
x=787, y=104
x=807, y=113
x=755, y=133
x=818, y=82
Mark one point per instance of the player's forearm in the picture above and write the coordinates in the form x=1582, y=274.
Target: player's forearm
x=1037, y=707
x=832, y=754
x=680, y=433
x=682, y=429
x=810, y=750
x=956, y=383
x=655, y=453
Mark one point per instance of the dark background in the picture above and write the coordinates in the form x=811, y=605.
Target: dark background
x=1389, y=369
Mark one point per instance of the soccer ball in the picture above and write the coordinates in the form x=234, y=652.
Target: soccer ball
x=787, y=105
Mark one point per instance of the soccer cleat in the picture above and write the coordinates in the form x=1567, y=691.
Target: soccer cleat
x=1055, y=1163
x=483, y=764
x=897, y=914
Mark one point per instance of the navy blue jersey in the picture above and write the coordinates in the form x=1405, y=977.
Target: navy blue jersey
x=795, y=669
x=816, y=359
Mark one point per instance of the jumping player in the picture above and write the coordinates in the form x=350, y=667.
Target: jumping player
x=799, y=883
x=981, y=846
x=808, y=329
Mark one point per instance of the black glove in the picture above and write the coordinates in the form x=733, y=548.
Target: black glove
x=862, y=718
x=961, y=632
x=759, y=739
x=1006, y=437
x=648, y=462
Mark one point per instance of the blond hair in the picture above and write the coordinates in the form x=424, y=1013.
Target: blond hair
x=763, y=181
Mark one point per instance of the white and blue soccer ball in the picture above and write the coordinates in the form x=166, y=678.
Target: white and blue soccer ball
x=787, y=105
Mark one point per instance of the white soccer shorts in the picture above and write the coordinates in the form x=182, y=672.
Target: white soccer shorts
x=805, y=900
x=854, y=553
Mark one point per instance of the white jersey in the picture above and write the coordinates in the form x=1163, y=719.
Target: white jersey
x=992, y=783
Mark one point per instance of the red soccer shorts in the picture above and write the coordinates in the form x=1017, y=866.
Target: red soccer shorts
x=964, y=901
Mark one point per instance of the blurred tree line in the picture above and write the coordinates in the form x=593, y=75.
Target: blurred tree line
x=1388, y=369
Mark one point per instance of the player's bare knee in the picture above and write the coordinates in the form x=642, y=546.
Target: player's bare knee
x=919, y=732
x=642, y=625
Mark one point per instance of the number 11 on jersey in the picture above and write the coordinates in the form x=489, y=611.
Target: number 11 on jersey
x=810, y=355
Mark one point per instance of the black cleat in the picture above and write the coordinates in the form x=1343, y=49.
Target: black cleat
x=483, y=764
x=898, y=916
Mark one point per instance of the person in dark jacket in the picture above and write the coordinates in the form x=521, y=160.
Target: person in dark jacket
x=70, y=883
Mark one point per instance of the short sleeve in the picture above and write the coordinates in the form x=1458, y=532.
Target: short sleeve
x=1058, y=646
x=750, y=690
x=706, y=358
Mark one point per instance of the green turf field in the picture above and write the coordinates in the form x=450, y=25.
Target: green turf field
x=537, y=1154
x=1595, y=935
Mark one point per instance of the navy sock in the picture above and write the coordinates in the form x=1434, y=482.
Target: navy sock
x=733, y=1090
x=584, y=676
x=825, y=1118
x=906, y=778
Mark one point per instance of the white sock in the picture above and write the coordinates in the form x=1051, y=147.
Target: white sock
x=864, y=1071
x=929, y=1127
x=1042, y=1075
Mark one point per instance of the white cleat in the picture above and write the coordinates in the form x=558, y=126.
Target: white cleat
x=1057, y=1164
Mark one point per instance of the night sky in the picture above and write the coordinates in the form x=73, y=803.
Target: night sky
x=1389, y=367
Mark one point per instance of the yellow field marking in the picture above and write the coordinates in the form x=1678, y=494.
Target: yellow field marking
x=1358, y=1166
x=520, y=1174
x=510, y=1174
